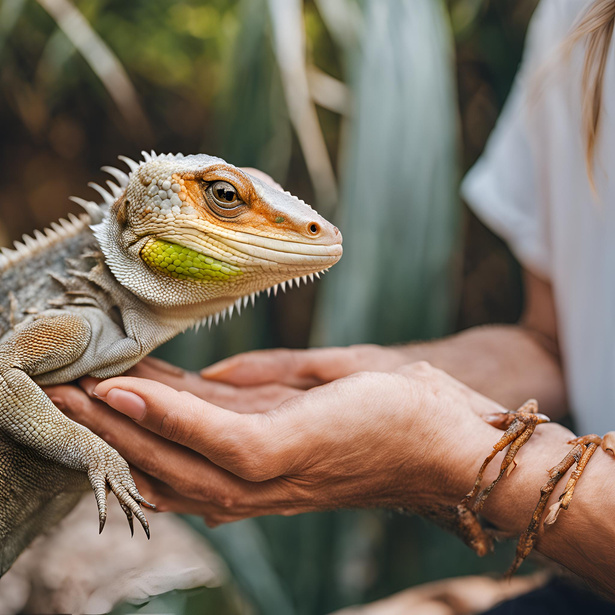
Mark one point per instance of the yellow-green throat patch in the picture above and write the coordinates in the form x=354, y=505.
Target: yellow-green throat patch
x=186, y=264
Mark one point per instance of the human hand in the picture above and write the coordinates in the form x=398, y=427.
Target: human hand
x=304, y=369
x=402, y=440
x=257, y=398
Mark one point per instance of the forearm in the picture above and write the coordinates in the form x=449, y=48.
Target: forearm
x=509, y=364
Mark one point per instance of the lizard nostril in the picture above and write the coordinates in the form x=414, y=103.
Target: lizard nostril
x=313, y=228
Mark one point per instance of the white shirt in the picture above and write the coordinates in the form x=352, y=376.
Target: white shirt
x=531, y=187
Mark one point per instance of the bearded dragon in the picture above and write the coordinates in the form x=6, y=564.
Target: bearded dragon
x=177, y=241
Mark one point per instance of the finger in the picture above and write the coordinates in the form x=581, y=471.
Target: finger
x=189, y=473
x=245, y=444
x=149, y=367
x=140, y=447
x=295, y=368
x=168, y=499
x=232, y=504
x=248, y=399
x=238, y=399
x=176, y=478
x=249, y=500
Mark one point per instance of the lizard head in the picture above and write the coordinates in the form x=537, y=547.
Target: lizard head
x=196, y=231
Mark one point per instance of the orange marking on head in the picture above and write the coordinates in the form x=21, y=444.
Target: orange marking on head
x=258, y=214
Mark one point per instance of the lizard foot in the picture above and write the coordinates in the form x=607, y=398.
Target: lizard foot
x=519, y=426
x=580, y=454
x=112, y=473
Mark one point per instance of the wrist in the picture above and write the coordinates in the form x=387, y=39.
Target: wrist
x=449, y=466
x=511, y=504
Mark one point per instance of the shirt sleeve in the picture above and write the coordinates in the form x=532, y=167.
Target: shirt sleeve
x=502, y=188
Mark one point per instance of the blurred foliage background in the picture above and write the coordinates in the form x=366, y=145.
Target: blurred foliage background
x=369, y=109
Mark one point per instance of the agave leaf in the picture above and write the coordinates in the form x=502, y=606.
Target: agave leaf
x=255, y=127
x=328, y=92
x=399, y=198
x=57, y=51
x=464, y=14
x=344, y=21
x=10, y=10
x=289, y=45
x=103, y=62
x=246, y=553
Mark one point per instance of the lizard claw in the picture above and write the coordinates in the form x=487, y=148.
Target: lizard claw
x=129, y=516
x=113, y=473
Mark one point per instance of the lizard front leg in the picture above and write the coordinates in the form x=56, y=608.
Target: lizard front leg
x=30, y=418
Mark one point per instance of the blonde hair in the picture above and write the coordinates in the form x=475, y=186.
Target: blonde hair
x=596, y=28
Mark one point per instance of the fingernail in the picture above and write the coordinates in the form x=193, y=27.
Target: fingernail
x=58, y=403
x=214, y=370
x=88, y=386
x=127, y=403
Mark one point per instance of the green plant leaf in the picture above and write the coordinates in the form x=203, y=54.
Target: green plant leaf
x=288, y=34
x=10, y=11
x=399, y=207
x=102, y=61
x=246, y=553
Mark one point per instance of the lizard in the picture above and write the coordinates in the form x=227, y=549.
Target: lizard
x=176, y=241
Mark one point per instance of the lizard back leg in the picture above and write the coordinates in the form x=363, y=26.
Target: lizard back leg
x=30, y=418
x=35, y=493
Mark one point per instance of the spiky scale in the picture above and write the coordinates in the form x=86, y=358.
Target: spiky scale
x=65, y=241
x=29, y=242
x=116, y=191
x=93, y=210
x=120, y=176
x=107, y=197
x=129, y=162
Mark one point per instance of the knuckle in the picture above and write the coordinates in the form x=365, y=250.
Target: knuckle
x=362, y=351
x=107, y=436
x=257, y=473
x=247, y=466
x=253, y=466
x=169, y=426
x=222, y=502
x=418, y=369
x=227, y=503
x=422, y=367
x=210, y=521
x=190, y=488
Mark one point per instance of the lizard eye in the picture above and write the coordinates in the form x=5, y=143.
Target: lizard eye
x=224, y=194
x=223, y=199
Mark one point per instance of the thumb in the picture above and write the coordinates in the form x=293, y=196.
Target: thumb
x=236, y=442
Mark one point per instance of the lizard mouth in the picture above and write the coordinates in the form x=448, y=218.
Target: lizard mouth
x=303, y=255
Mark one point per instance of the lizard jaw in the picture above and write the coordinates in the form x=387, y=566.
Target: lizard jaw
x=242, y=302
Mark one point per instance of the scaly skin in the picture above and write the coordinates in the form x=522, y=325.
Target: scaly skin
x=179, y=241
